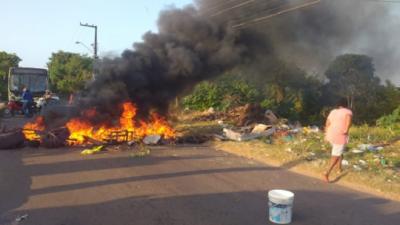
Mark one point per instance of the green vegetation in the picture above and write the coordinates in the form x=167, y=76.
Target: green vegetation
x=223, y=93
x=7, y=60
x=291, y=93
x=69, y=72
x=391, y=120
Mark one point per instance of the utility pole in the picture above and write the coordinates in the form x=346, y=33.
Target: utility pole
x=95, y=47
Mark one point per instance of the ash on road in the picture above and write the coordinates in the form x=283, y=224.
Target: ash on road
x=174, y=185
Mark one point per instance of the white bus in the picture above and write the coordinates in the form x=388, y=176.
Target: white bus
x=35, y=79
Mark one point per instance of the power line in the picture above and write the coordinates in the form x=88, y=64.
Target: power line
x=384, y=1
x=269, y=7
x=209, y=9
x=259, y=19
x=233, y=7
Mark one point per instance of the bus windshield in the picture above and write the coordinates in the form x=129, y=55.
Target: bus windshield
x=35, y=83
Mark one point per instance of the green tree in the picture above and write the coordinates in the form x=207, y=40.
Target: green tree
x=7, y=60
x=352, y=76
x=69, y=72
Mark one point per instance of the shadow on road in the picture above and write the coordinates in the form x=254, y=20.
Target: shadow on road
x=15, y=181
x=236, y=208
x=224, y=202
x=80, y=186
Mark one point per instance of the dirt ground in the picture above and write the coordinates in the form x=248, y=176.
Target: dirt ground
x=173, y=185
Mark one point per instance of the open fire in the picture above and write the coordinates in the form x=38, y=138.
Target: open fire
x=128, y=128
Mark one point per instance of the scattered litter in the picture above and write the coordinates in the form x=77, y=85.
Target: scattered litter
x=357, y=168
x=311, y=156
x=289, y=149
x=211, y=110
x=142, y=153
x=93, y=150
x=284, y=127
x=357, y=151
x=383, y=162
x=312, y=129
x=345, y=162
x=131, y=143
x=369, y=147
x=295, y=130
x=259, y=128
x=237, y=136
x=21, y=218
x=151, y=139
x=288, y=138
x=362, y=162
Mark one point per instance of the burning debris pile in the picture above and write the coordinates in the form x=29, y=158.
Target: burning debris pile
x=80, y=131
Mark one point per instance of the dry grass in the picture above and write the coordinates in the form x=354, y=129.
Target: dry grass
x=308, y=154
x=315, y=165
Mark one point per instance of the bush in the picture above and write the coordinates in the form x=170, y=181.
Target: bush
x=205, y=95
x=392, y=120
x=222, y=94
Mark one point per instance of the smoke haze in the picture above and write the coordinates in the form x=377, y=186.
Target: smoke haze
x=312, y=37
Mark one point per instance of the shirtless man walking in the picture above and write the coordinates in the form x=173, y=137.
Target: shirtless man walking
x=337, y=128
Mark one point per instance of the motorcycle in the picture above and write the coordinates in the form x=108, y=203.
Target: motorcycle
x=15, y=107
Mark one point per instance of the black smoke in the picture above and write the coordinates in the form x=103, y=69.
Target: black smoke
x=200, y=42
x=187, y=49
x=313, y=36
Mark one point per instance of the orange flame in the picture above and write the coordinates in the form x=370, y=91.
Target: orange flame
x=30, y=129
x=81, y=130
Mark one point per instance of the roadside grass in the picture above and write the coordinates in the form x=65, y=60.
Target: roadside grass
x=307, y=153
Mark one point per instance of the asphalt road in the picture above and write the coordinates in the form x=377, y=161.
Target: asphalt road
x=174, y=185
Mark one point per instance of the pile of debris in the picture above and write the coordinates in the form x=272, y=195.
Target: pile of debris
x=57, y=138
x=249, y=132
x=241, y=116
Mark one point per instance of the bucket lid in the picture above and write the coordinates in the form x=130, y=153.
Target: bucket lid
x=281, y=197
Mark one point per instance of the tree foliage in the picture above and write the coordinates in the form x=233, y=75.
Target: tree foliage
x=223, y=93
x=353, y=77
x=69, y=72
x=292, y=93
x=7, y=60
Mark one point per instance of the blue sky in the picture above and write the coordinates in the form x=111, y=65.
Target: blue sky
x=33, y=29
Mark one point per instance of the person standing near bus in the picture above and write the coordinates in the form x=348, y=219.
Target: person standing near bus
x=337, y=129
x=27, y=101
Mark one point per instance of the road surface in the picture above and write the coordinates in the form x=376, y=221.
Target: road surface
x=174, y=185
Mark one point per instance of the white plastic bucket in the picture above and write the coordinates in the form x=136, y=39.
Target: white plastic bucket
x=280, y=206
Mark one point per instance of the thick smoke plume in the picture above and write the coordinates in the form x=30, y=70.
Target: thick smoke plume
x=195, y=44
x=313, y=36
x=187, y=49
